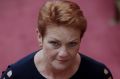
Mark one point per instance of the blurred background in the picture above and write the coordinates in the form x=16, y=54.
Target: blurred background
x=18, y=22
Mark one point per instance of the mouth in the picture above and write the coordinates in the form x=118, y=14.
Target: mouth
x=62, y=60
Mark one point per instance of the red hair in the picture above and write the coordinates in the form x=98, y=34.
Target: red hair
x=61, y=12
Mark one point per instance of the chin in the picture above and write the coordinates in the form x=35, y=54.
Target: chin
x=60, y=65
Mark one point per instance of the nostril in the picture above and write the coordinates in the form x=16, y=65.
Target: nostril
x=63, y=52
x=63, y=55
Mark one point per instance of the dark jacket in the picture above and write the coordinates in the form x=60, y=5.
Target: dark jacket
x=25, y=69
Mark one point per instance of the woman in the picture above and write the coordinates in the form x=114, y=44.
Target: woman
x=61, y=26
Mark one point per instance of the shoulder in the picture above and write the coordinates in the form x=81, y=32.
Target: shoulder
x=22, y=67
x=92, y=67
x=27, y=60
x=88, y=61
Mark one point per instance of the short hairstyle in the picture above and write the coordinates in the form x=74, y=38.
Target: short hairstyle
x=61, y=12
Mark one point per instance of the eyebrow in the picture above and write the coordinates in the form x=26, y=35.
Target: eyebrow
x=54, y=38
x=75, y=39
x=59, y=41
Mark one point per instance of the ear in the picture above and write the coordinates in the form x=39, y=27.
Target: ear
x=39, y=37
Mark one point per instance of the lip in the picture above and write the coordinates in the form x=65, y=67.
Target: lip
x=62, y=60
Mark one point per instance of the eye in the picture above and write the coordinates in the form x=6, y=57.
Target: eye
x=54, y=43
x=72, y=44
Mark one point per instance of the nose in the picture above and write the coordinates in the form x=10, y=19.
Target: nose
x=63, y=53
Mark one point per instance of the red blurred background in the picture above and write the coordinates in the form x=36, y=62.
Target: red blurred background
x=18, y=21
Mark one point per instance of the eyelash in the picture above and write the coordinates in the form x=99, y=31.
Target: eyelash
x=56, y=44
x=72, y=44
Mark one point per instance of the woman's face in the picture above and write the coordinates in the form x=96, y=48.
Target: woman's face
x=60, y=46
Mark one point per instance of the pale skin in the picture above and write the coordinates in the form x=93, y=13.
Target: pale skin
x=59, y=57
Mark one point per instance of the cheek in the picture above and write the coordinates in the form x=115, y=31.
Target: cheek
x=77, y=48
x=49, y=51
x=48, y=48
x=74, y=51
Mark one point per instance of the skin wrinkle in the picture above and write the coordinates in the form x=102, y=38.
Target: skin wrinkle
x=60, y=59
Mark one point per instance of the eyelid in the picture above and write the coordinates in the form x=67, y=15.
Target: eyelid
x=55, y=43
x=72, y=43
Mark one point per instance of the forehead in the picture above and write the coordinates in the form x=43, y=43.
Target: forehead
x=62, y=33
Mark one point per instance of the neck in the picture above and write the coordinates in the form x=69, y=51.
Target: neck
x=50, y=72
